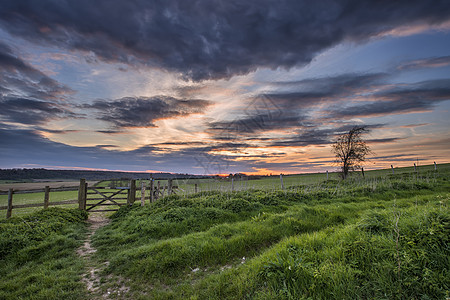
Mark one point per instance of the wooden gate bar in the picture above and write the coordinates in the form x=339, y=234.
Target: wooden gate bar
x=105, y=198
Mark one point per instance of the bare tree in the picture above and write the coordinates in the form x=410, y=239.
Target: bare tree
x=351, y=150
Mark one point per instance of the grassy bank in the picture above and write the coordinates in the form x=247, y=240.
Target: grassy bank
x=37, y=255
x=383, y=237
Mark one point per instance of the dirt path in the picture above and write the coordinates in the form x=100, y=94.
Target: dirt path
x=92, y=277
x=115, y=287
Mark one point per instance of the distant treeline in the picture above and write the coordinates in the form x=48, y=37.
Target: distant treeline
x=27, y=174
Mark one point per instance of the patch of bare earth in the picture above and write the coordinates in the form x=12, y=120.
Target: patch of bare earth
x=92, y=277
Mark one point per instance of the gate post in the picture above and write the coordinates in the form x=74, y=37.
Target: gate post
x=131, y=192
x=152, y=192
x=82, y=194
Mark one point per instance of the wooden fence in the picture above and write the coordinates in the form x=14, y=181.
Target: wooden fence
x=46, y=201
x=92, y=197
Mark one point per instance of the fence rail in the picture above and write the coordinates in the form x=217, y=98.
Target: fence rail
x=46, y=201
x=104, y=196
x=33, y=191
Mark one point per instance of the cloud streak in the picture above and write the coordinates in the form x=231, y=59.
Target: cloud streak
x=410, y=98
x=27, y=95
x=144, y=111
x=433, y=62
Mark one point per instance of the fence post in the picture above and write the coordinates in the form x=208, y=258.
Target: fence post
x=131, y=192
x=142, y=193
x=152, y=192
x=10, y=206
x=46, y=196
x=195, y=188
x=82, y=194
x=415, y=168
x=362, y=171
x=327, y=175
x=435, y=167
x=169, y=191
x=232, y=184
x=392, y=168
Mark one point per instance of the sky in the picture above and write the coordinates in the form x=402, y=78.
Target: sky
x=218, y=87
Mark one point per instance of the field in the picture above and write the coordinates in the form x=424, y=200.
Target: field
x=382, y=237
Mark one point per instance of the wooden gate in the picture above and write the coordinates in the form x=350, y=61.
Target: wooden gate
x=92, y=198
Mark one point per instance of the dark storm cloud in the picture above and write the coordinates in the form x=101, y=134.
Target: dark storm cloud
x=401, y=99
x=144, y=111
x=207, y=39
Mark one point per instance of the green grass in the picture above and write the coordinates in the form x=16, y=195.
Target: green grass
x=382, y=237
x=379, y=238
x=37, y=255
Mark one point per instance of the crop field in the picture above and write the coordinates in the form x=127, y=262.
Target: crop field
x=380, y=237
